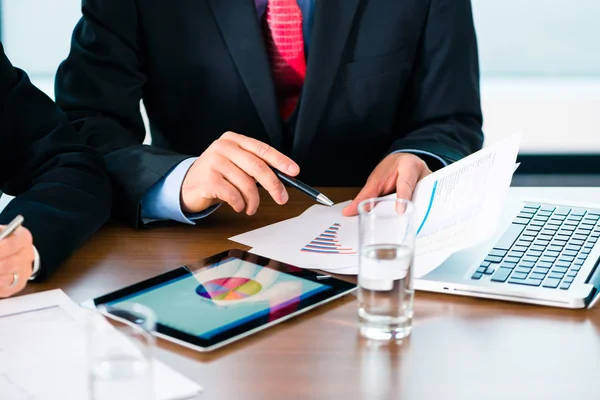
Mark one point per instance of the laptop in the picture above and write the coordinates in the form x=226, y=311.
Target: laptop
x=541, y=253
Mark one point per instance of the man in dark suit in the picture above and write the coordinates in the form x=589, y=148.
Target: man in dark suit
x=352, y=91
x=61, y=187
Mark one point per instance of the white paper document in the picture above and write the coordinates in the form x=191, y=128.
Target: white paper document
x=43, y=352
x=455, y=208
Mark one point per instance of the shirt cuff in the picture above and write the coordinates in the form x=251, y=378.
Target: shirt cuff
x=425, y=153
x=162, y=201
x=36, y=264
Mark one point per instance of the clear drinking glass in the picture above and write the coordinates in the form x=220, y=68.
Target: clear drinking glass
x=386, y=248
x=121, y=352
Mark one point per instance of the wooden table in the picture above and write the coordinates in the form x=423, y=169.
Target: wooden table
x=460, y=348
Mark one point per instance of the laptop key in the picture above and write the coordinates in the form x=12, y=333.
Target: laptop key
x=569, y=279
x=509, y=237
x=544, y=264
x=551, y=253
x=555, y=275
x=530, y=259
x=528, y=281
x=497, y=252
x=572, y=274
x=565, y=285
x=501, y=275
x=477, y=275
x=576, y=268
x=525, y=215
x=523, y=270
x=518, y=275
x=520, y=221
x=527, y=264
x=547, y=208
x=537, y=275
x=520, y=248
x=551, y=283
x=560, y=269
x=541, y=270
x=494, y=259
x=531, y=206
x=489, y=271
x=578, y=212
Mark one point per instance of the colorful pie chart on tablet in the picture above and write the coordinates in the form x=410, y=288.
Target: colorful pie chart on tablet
x=228, y=289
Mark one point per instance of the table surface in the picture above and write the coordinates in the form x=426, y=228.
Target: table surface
x=460, y=348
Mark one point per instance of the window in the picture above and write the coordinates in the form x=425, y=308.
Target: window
x=540, y=64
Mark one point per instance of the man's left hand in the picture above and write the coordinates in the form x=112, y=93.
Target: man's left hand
x=398, y=172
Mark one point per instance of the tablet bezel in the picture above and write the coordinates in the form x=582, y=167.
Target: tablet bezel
x=337, y=288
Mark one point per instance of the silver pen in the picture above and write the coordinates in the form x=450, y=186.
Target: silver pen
x=11, y=227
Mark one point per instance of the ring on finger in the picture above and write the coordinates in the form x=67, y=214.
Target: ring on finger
x=15, y=280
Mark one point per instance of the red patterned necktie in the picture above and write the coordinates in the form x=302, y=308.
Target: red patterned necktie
x=285, y=48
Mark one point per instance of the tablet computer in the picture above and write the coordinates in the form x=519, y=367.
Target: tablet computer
x=223, y=298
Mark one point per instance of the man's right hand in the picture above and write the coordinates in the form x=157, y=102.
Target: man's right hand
x=229, y=170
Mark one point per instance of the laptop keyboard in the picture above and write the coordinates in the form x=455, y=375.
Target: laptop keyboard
x=545, y=246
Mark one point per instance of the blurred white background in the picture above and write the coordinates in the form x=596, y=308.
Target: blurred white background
x=540, y=62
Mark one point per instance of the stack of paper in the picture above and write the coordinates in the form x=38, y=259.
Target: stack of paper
x=455, y=208
x=43, y=352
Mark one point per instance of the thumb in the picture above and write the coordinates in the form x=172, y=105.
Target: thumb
x=368, y=191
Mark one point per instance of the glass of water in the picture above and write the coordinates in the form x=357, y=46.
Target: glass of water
x=120, y=348
x=386, y=248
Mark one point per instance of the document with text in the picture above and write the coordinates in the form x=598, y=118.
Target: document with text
x=455, y=208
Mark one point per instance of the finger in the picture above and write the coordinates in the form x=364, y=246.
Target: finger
x=6, y=290
x=259, y=170
x=368, y=191
x=407, y=181
x=243, y=182
x=22, y=264
x=265, y=152
x=226, y=192
x=19, y=239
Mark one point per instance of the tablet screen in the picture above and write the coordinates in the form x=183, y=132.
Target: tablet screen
x=223, y=296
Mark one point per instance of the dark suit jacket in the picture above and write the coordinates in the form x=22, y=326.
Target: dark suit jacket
x=382, y=75
x=62, y=189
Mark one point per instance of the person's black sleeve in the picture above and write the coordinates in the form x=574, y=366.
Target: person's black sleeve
x=60, y=185
x=442, y=106
x=100, y=86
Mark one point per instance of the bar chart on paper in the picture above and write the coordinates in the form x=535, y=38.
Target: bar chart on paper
x=327, y=243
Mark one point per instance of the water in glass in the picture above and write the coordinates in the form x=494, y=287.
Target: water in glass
x=386, y=295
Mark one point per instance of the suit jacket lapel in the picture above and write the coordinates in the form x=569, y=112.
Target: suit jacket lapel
x=332, y=23
x=239, y=25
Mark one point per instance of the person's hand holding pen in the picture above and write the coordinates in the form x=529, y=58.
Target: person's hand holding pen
x=229, y=170
x=16, y=257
